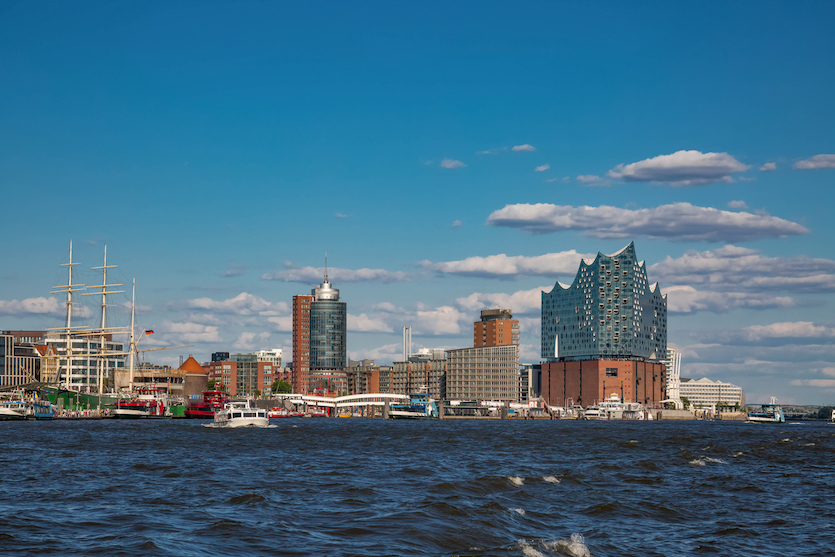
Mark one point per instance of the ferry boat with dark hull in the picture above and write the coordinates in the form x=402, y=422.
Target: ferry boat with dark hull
x=205, y=408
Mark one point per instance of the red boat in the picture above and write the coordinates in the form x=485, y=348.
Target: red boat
x=212, y=401
x=149, y=402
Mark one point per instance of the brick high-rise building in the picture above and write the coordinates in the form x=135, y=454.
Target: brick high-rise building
x=496, y=328
x=301, y=343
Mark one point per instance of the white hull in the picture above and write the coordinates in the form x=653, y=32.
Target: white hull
x=10, y=414
x=761, y=420
x=240, y=414
x=243, y=422
x=125, y=413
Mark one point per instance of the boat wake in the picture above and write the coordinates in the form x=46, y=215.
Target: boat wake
x=572, y=547
x=217, y=426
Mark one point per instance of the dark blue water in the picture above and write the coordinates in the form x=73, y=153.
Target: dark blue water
x=373, y=487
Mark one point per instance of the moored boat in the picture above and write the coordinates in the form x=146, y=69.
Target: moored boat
x=150, y=402
x=206, y=407
x=420, y=407
x=241, y=414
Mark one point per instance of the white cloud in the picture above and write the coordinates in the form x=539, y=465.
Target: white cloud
x=456, y=223
x=451, y=163
x=250, y=341
x=512, y=266
x=190, y=332
x=242, y=304
x=737, y=204
x=32, y=306
x=769, y=166
x=686, y=299
x=235, y=271
x=818, y=161
x=674, y=222
x=521, y=302
x=682, y=168
x=524, y=147
x=342, y=216
x=313, y=275
x=543, y=168
x=823, y=383
x=589, y=179
x=794, y=330
x=551, y=180
x=566, y=178
x=443, y=320
x=282, y=323
x=365, y=324
x=735, y=268
x=386, y=353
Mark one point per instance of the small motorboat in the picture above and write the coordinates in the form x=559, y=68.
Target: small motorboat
x=241, y=414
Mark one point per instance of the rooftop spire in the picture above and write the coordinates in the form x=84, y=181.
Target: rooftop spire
x=326, y=266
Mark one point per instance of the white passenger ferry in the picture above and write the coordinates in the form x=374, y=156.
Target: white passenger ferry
x=241, y=414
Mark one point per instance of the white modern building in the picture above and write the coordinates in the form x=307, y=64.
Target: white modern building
x=705, y=392
x=270, y=356
x=673, y=363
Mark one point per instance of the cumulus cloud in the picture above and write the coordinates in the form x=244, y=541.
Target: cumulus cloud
x=451, y=163
x=365, y=324
x=250, y=341
x=543, y=168
x=511, y=266
x=32, y=306
x=456, y=223
x=190, y=332
x=312, y=275
x=386, y=353
x=443, y=320
x=734, y=268
x=524, y=147
x=818, y=161
x=788, y=330
x=282, y=323
x=823, y=383
x=587, y=179
x=682, y=168
x=235, y=271
x=523, y=301
x=342, y=216
x=242, y=304
x=674, y=222
x=769, y=166
x=737, y=204
x=686, y=299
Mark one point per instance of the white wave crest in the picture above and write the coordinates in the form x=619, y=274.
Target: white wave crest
x=519, y=511
x=551, y=479
x=516, y=480
x=705, y=459
x=576, y=546
x=529, y=550
x=697, y=462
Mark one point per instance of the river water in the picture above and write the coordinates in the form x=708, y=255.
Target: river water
x=373, y=487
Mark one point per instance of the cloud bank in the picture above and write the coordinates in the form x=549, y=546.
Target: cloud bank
x=504, y=266
x=313, y=275
x=674, y=222
x=818, y=161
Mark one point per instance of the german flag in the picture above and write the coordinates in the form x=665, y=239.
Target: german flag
x=149, y=332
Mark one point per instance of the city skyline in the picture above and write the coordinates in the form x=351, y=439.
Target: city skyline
x=448, y=158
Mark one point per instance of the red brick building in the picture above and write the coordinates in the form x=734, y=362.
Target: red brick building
x=587, y=382
x=301, y=343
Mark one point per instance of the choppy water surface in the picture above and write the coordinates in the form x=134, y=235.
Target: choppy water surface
x=369, y=487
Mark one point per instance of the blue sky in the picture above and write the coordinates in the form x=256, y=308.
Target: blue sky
x=447, y=156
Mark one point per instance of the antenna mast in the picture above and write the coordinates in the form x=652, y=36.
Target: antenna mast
x=69, y=289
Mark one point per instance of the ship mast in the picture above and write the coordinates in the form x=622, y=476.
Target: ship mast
x=102, y=365
x=69, y=289
x=132, y=341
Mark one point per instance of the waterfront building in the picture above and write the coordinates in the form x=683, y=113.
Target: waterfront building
x=423, y=372
x=605, y=334
x=84, y=366
x=301, y=343
x=320, y=341
x=673, y=364
x=483, y=373
x=364, y=376
x=242, y=374
x=188, y=379
x=496, y=328
x=530, y=381
x=20, y=362
x=272, y=357
x=704, y=392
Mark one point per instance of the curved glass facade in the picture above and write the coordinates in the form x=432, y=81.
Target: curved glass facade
x=328, y=325
x=608, y=311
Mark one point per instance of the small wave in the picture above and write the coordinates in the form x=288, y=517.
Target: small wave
x=551, y=479
x=738, y=454
x=246, y=499
x=575, y=546
x=786, y=440
x=519, y=511
x=516, y=480
x=706, y=459
x=697, y=462
x=809, y=445
x=529, y=550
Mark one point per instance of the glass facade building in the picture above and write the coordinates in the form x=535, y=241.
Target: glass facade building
x=609, y=311
x=328, y=329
